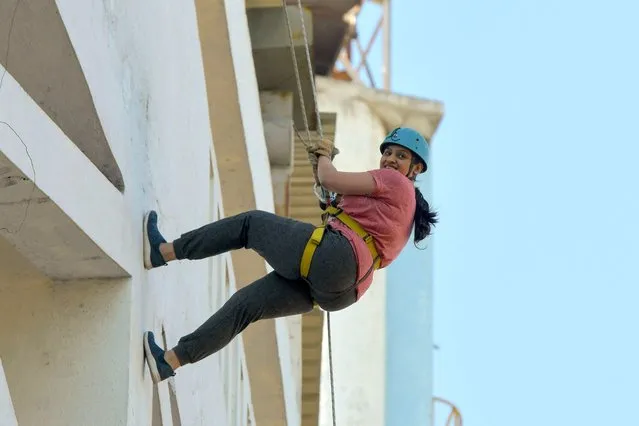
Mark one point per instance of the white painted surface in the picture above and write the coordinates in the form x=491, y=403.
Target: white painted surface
x=277, y=114
x=82, y=339
x=64, y=346
x=7, y=414
x=72, y=351
x=91, y=203
x=358, y=332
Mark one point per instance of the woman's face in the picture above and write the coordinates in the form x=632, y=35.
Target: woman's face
x=401, y=159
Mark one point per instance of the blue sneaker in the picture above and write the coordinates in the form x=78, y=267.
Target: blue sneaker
x=160, y=369
x=152, y=240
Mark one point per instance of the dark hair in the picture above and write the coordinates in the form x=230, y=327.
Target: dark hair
x=425, y=218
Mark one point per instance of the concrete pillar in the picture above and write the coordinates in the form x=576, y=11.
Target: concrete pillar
x=233, y=148
x=359, y=340
x=277, y=116
x=65, y=346
x=358, y=332
x=274, y=66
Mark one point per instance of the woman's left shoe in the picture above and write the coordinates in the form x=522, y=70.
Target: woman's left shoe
x=160, y=369
x=152, y=240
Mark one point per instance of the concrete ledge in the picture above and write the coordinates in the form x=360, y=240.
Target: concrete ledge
x=55, y=81
x=58, y=210
x=273, y=60
x=393, y=110
x=252, y=4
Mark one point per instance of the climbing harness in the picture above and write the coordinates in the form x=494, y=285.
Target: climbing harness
x=318, y=234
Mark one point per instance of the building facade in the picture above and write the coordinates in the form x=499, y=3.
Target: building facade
x=107, y=111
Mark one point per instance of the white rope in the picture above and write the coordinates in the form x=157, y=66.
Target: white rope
x=297, y=74
x=330, y=366
x=310, y=70
x=319, y=191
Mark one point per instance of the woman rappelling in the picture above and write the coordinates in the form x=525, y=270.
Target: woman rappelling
x=331, y=266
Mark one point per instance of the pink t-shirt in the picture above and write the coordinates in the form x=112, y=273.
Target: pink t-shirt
x=387, y=215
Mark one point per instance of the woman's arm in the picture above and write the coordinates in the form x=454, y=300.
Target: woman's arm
x=345, y=183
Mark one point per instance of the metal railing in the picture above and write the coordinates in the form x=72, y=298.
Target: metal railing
x=453, y=418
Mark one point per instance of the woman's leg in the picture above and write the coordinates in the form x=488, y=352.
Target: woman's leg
x=279, y=240
x=271, y=296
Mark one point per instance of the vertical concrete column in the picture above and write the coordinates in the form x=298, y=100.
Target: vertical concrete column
x=359, y=332
x=223, y=35
x=65, y=346
x=277, y=116
x=359, y=360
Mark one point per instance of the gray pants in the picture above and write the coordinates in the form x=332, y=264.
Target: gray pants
x=283, y=292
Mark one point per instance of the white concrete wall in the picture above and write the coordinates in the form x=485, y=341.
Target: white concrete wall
x=75, y=347
x=358, y=333
x=72, y=351
x=146, y=76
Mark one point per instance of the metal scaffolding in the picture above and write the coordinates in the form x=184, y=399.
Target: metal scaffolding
x=354, y=64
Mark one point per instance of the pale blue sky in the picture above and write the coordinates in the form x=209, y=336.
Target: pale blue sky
x=535, y=178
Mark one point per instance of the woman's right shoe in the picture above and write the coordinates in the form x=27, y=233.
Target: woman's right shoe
x=160, y=369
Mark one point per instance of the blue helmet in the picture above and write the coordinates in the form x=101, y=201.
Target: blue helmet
x=409, y=139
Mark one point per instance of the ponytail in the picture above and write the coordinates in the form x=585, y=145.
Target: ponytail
x=424, y=217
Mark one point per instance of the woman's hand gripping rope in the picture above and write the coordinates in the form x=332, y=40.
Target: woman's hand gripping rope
x=322, y=147
x=316, y=149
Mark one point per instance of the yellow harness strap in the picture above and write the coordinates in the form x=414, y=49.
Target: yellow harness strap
x=309, y=250
x=318, y=233
x=357, y=228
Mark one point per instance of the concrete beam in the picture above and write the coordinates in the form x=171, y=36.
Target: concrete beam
x=273, y=59
x=392, y=109
x=56, y=82
x=57, y=209
x=252, y=4
x=277, y=116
